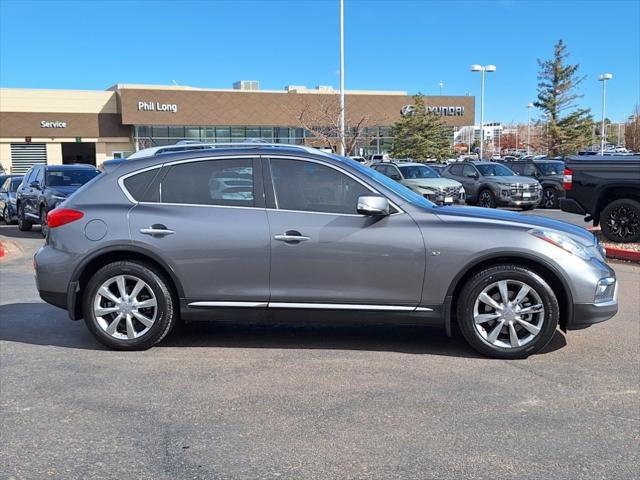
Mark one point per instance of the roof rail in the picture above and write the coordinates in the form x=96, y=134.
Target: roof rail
x=185, y=146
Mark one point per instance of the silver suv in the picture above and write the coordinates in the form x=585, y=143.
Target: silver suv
x=251, y=230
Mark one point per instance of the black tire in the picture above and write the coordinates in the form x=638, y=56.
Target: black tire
x=44, y=228
x=486, y=199
x=620, y=221
x=166, y=305
x=515, y=273
x=550, y=198
x=24, y=225
x=5, y=215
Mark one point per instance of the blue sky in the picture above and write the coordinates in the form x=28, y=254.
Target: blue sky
x=390, y=45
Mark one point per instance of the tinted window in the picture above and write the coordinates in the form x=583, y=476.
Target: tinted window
x=383, y=169
x=468, y=170
x=210, y=182
x=495, y=169
x=69, y=177
x=456, y=170
x=551, y=168
x=529, y=170
x=312, y=187
x=137, y=185
x=5, y=185
x=39, y=175
x=518, y=168
x=417, y=171
x=15, y=183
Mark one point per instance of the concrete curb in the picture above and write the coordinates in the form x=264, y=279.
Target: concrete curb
x=619, y=253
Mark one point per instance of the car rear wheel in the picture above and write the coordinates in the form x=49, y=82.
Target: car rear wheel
x=24, y=225
x=486, y=199
x=549, y=198
x=5, y=215
x=128, y=306
x=620, y=221
x=508, y=311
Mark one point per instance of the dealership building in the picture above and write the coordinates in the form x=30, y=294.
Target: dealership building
x=69, y=126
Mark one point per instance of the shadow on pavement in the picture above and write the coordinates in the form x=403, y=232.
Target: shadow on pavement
x=11, y=231
x=41, y=324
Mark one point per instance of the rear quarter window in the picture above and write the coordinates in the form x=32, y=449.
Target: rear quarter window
x=138, y=185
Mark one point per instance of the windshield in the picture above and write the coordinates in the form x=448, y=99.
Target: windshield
x=69, y=178
x=397, y=188
x=410, y=172
x=495, y=170
x=551, y=168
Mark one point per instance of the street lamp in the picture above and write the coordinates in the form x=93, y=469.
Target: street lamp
x=341, y=119
x=482, y=69
x=441, y=84
x=529, y=107
x=603, y=78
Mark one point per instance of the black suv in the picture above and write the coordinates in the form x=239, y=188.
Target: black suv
x=548, y=173
x=44, y=187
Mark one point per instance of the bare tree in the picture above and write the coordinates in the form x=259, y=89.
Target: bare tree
x=321, y=118
x=632, y=131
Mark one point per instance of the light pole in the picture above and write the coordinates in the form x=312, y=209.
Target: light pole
x=482, y=69
x=441, y=84
x=342, y=142
x=603, y=78
x=529, y=107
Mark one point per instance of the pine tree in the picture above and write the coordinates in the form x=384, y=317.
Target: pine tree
x=569, y=128
x=421, y=135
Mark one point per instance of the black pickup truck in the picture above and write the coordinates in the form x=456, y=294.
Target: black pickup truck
x=607, y=190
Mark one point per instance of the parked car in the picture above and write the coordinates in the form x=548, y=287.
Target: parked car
x=548, y=173
x=166, y=246
x=8, y=187
x=438, y=167
x=378, y=157
x=359, y=159
x=490, y=184
x=45, y=187
x=607, y=190
x=423, y=180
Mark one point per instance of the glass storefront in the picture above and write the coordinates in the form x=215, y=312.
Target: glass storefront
x=373, y=140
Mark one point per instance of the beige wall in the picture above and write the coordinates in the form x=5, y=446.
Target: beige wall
x=104, y=151
x=60, y=101
x=5, y=156
x=54, y=154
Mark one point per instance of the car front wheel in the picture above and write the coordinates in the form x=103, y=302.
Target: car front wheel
x=550, y=198
x=486, y=199
x=24, y=225
x=507, y=311
x=44, y=227
x=128, y=306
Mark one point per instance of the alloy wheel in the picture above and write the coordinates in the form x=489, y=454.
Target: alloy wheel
x=44, y=226
x=623, y=222
x=125, y=307
x=549, y=198
x=486, y=199
x=508, y=314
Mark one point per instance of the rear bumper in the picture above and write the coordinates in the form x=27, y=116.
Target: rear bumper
x=586, y=314
x=571, y=206
x=56, y=299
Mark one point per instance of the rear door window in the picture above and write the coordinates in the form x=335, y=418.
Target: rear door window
x=468, y=170
x=224, y=182
x=456, y=170
x=138, y=186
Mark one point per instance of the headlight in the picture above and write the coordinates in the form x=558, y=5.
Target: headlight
x=508, y=185
x=563, y=242
x=58, y=197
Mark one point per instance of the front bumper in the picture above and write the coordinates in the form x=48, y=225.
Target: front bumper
x=586, y=314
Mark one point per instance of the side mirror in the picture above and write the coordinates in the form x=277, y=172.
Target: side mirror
x=395, y=176
x=373, y=205
x=35, y=184
x=471, y=175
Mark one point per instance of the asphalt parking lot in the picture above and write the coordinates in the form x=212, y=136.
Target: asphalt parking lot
x=295, y=401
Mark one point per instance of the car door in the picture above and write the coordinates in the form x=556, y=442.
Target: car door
x=206, y=219
x=31, y=192
x=470, y=181
x=323, y=252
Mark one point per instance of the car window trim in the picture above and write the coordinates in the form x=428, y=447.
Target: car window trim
x=321, y=162
x=256, y=178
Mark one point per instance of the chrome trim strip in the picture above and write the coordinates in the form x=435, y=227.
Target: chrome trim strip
x=424, y=309
x=229, y=304
x=341, y=306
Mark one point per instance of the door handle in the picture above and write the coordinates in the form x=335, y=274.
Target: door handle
x=291, y=236
x=157, y=230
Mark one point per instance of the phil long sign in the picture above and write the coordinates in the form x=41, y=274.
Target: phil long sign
x=435, y=110
x=157, y=107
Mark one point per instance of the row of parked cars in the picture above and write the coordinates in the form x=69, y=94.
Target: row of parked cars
x=522, y=184
x=28, y=199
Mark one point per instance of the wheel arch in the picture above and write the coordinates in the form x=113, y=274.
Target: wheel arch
x=545, y=269
x=114, y=253
x=612, y=193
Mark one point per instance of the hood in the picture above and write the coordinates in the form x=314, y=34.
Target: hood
x=439, y=182
x=63, y=191
x=505, y=217
x=512, y=179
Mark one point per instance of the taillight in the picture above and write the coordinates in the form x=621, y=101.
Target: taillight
x=567, y=179
x=61, y=216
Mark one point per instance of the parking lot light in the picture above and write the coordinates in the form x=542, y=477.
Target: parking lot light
x=482, y=69
x=529, y=107
x=603, y=134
